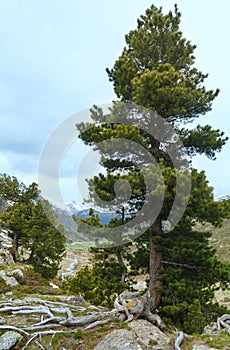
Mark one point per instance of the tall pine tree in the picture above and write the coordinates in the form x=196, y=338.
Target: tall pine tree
x=156, y=70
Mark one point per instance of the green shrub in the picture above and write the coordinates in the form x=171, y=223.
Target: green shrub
x=195, y=322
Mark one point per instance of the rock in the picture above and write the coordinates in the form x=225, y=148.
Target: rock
x=201, y=347
x=9, y=260
x=2, y=320
x=5, y=240
x=9, y=339
x=5, y=245
x=10, y=281
x=141, y=335
x=18, y=275
x=119, y=339
x=149, y=334
x=53, y=285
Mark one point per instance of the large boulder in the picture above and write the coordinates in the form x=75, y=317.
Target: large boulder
x=9, y=339
x=148, y=334
x=140, y=336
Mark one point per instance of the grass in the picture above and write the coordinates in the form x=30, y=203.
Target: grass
x=77, y=245
x=220, y=341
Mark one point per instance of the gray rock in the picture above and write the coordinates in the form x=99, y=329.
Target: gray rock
x=10, y=281
x=18, y=275
x=9, y=260
x=148, y=334
x=141, y=335
x=202, y=347
x=121, y=339
x=5, y=245
x=2, y=320
x=5, y=240
x=9, y=339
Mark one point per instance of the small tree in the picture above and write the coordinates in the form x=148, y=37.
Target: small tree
x=195, y=322
x=30, y=227
x=46, y=243
x=17, y=214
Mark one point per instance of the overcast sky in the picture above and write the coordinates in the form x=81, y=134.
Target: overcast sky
x=52, y=65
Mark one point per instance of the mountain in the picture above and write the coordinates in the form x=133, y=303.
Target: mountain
x=22, y=186
x=82, y=212
x=220, y=238
x=64, y=215
x=222, y=197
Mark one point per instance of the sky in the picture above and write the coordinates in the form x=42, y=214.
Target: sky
x=52, y=65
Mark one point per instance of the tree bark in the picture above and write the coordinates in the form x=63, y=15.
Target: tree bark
x=155, y=260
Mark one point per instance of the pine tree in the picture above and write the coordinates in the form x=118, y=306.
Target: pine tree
x=46, y=242
x=156, y=70
x=30, y=227
x=16, y=215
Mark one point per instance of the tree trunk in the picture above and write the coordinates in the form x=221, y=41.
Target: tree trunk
x=155, y=259
x=15, y=247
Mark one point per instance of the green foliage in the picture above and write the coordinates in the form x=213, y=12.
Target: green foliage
x=195, y=322
x=46, y=243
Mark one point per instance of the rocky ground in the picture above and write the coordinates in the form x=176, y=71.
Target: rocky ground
x=33, y=330
x=36, y=314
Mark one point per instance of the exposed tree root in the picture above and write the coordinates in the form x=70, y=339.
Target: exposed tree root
x=55, y=316
x=179, y=340
x=222, y=322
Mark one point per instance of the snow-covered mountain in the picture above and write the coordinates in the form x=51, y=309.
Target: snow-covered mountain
x=21, y=184
x=75, y=207
x=222, y=197
x=82, y=211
